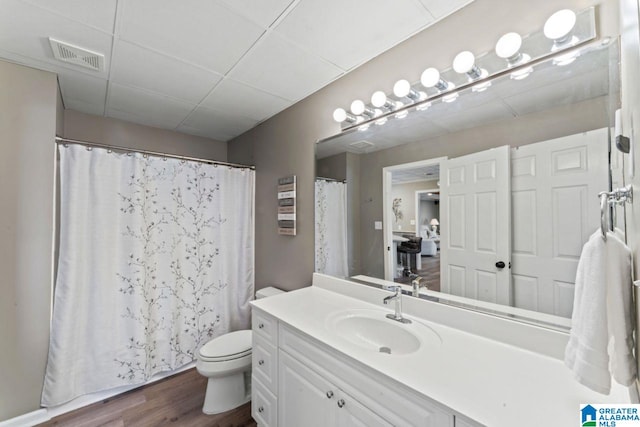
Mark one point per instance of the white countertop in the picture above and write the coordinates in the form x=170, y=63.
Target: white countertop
x=494, y=383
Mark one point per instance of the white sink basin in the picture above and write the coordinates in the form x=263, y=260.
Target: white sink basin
x=371, y=330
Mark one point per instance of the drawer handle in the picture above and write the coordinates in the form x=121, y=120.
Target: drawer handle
x=329, y=394
x=261, y=325
x=341, y=403
x=261, y=409
x=260, y=362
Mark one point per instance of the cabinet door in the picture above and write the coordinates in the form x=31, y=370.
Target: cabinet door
x=352, y=413
x=304, y=397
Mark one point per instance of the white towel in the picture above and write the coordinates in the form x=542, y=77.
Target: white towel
x=602, y=322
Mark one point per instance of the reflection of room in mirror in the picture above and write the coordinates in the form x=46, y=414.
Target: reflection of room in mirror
x=555, y=106
x=419, y=188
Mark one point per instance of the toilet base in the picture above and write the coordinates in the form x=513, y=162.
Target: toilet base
x=226, y=393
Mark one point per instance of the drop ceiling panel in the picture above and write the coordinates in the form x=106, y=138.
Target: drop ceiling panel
x=476, y=116
x=277, y=66
x=25, y=31
x=239, y=99
x=348, y=33
x=263, y=12
x=146, y=107
x=82, y=92
x=143, y=68
x=198, y=31
x=218, y=125
x=439, y=8
x=84, y=107
x=564, y=92
x=99, y=14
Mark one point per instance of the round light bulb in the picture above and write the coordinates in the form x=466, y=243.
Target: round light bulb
x=508, y=45
x=378, y=99
x=560, y=24
x=339, y=115
x=464, y=62
x=401, y=88
x=357, y=107
x=430, y=77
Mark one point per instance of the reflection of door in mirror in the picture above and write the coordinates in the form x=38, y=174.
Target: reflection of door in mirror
x=475, y=238
x=513, y=221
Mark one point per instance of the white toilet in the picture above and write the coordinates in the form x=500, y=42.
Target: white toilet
x=226, y=361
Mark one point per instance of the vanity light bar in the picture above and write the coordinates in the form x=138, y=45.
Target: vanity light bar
x=562, y=31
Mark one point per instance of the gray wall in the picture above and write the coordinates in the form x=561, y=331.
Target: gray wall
x=406, y=192
x=520, y=130
x=334, y=167
x=428, y=210
x=285, y=143
x=105, y=130
x=27, y=126
x=31, y=114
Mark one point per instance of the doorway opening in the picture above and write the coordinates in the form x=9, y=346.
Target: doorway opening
x=411, y=222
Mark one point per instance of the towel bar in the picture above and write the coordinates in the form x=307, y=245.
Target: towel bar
x=607, y=198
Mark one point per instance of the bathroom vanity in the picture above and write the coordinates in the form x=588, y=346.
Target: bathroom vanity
x=327, y=355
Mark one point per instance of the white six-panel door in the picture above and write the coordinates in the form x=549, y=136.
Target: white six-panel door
x=555, y=209
x=475, y=229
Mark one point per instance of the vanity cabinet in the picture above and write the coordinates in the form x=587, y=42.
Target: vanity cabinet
x=308, y=399
x=297, y=380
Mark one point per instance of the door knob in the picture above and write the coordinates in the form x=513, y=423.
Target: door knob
x=500, y=264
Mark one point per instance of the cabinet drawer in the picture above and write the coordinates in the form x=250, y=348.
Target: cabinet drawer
x=264, y=405
x=265, y=326
x=264, y=363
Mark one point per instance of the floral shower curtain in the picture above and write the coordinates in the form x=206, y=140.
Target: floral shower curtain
x=156, y=258
x=331, y=228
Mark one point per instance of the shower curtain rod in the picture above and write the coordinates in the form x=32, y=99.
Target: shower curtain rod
x=151, y=153
x=322, y=178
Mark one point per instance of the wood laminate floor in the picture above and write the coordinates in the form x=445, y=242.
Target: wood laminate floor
x=174, y=401
x=430, y=272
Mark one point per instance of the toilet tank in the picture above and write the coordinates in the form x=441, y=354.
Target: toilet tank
x=269, y=291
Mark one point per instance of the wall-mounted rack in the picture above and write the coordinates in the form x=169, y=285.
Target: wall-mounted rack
x=619, y=196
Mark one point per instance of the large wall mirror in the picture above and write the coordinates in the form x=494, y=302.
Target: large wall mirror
x=495, y=192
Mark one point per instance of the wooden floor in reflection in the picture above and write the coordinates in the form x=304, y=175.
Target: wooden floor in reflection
x=430, y=272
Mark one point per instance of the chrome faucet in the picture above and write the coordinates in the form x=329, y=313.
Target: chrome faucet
x=415, y=282
x=397, y=297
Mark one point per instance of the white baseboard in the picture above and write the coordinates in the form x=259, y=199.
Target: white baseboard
x=45, y=414
x=28, y=419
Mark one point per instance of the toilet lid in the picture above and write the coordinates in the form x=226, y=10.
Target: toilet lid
x=228, y=346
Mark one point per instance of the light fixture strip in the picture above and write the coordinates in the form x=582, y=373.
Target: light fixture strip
x=584, y=32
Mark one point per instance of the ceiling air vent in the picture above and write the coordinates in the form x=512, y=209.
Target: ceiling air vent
x=66, y=52
x=361, y=145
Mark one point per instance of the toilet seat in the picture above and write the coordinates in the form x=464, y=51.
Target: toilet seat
x=231, y=346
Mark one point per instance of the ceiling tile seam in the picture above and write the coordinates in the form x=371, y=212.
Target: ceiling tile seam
x=68, y=18
x=116, y=31
x=433, y=15
x=509, y=107
x=231, y=9
x=158, y=94
x=143, y=121
x=264, y=34
x=60, y=89
x=246, y=52
x=28, y=61
x=284, y=14
x=168, y=55
x=199, y=105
